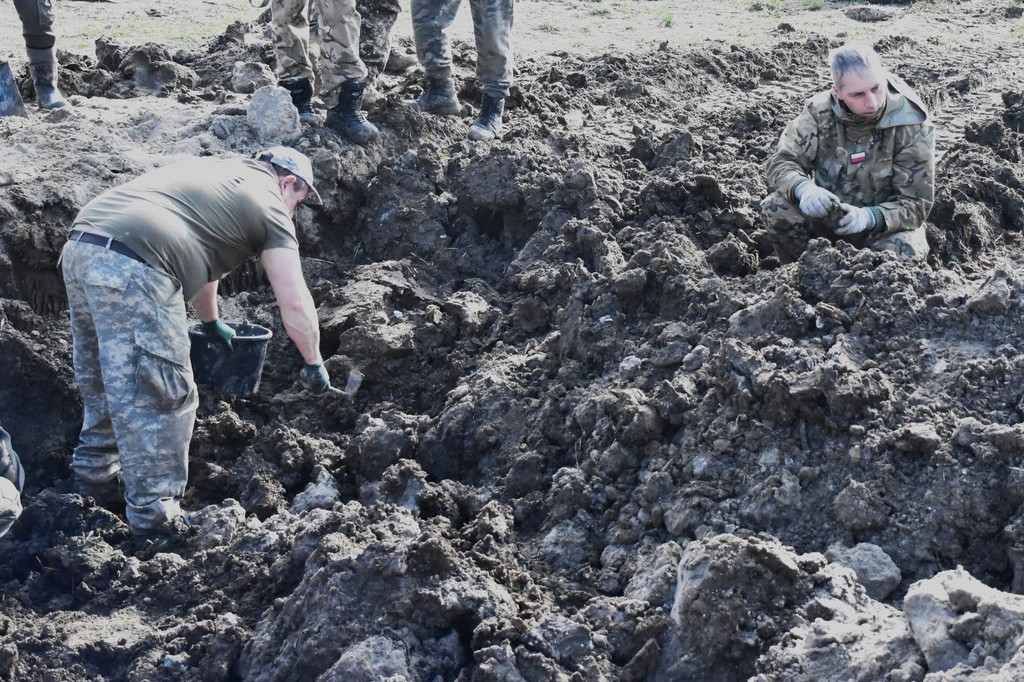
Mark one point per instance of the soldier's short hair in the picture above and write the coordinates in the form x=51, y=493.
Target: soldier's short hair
x=281, y=172
x=853, y=57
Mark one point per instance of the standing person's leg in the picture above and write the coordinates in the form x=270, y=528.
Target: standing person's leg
x=431, y=20
x=378, y=18
x=37, y=27
x=289, y=24
x=12, y=482
x=138, y=314
x=36, y=22
x=492, y=28
x=339, y=47
x=95, y=461
x=155, y=414
x=343, y=72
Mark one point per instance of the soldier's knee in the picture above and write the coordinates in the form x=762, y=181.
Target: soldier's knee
x=781, y=216
x=911, y=245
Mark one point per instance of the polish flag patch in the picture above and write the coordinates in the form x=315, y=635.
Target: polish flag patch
x=858, y=157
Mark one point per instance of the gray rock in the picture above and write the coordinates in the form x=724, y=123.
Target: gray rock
x=564, y=640
x=568, y=543
x=956, y=619
x=272, y=116
x=251, y=76
x=875, y=570
x=472, y=310
x=858, y=508
x=744, y=599
x=928, y=608
x=375, y=658
x=994, y=296
x=655, y=579
x=497, y=664
x=920, y=439
x=322, y=493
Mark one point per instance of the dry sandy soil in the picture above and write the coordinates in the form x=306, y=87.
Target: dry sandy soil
x=603, y=434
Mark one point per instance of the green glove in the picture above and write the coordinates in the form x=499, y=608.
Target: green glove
x=220, y=331
x=315, y=378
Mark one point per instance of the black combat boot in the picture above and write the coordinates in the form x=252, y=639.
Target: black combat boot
x=42, y=65
x=488, y=124
x=301, y=91
x=109, y=495
x=346, y=118
x=439, y=98
x=399, y=62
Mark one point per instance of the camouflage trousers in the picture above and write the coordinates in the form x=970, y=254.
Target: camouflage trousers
x=791, y=231
x=378, y=18
x=12, y=482
x=338, y=41
x=492, y=28
x=10, y=465
x=131, y=359
x=36, y=22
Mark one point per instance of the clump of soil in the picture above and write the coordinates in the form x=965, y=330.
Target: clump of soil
x=601, y=435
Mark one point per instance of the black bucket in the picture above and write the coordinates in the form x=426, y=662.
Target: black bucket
x=236, y=372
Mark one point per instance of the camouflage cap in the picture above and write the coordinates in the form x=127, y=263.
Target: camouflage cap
x=296, y=163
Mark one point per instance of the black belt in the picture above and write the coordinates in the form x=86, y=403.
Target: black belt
x=105, y=242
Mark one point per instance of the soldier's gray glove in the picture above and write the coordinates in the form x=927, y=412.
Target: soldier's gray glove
x=815, y=201
x=315, y=378
x=221, y=332
x=857, y=219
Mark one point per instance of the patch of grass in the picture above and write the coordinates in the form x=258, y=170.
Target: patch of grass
x=666, y=19
x=549, y=26
x=1017, y=30
x=137, y=27
x=813, y=4
x=752, y=37
x=600, y=12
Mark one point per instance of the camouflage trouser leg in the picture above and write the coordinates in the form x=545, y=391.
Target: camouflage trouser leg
x=131, y=358
x=492, y=27
x=792, y=230
x=378, y=18
x=36, y=22
x=339, y=47
x=908, y=245
x=10, y=465
x=788, y=226
x=12, y=482
x=289, y=23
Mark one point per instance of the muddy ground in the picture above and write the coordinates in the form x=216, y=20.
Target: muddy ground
x=602, y=435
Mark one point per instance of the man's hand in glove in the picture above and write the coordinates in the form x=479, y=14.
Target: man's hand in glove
x=221, y=332
x=856, y=220
x=315, y=378
x=815, y=201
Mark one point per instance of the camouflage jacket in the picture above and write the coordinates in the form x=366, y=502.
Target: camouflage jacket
x=887, y=164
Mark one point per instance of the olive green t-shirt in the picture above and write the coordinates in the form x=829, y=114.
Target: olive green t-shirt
x=196, y=220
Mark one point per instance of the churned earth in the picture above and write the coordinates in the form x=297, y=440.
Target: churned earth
x=601, y=433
